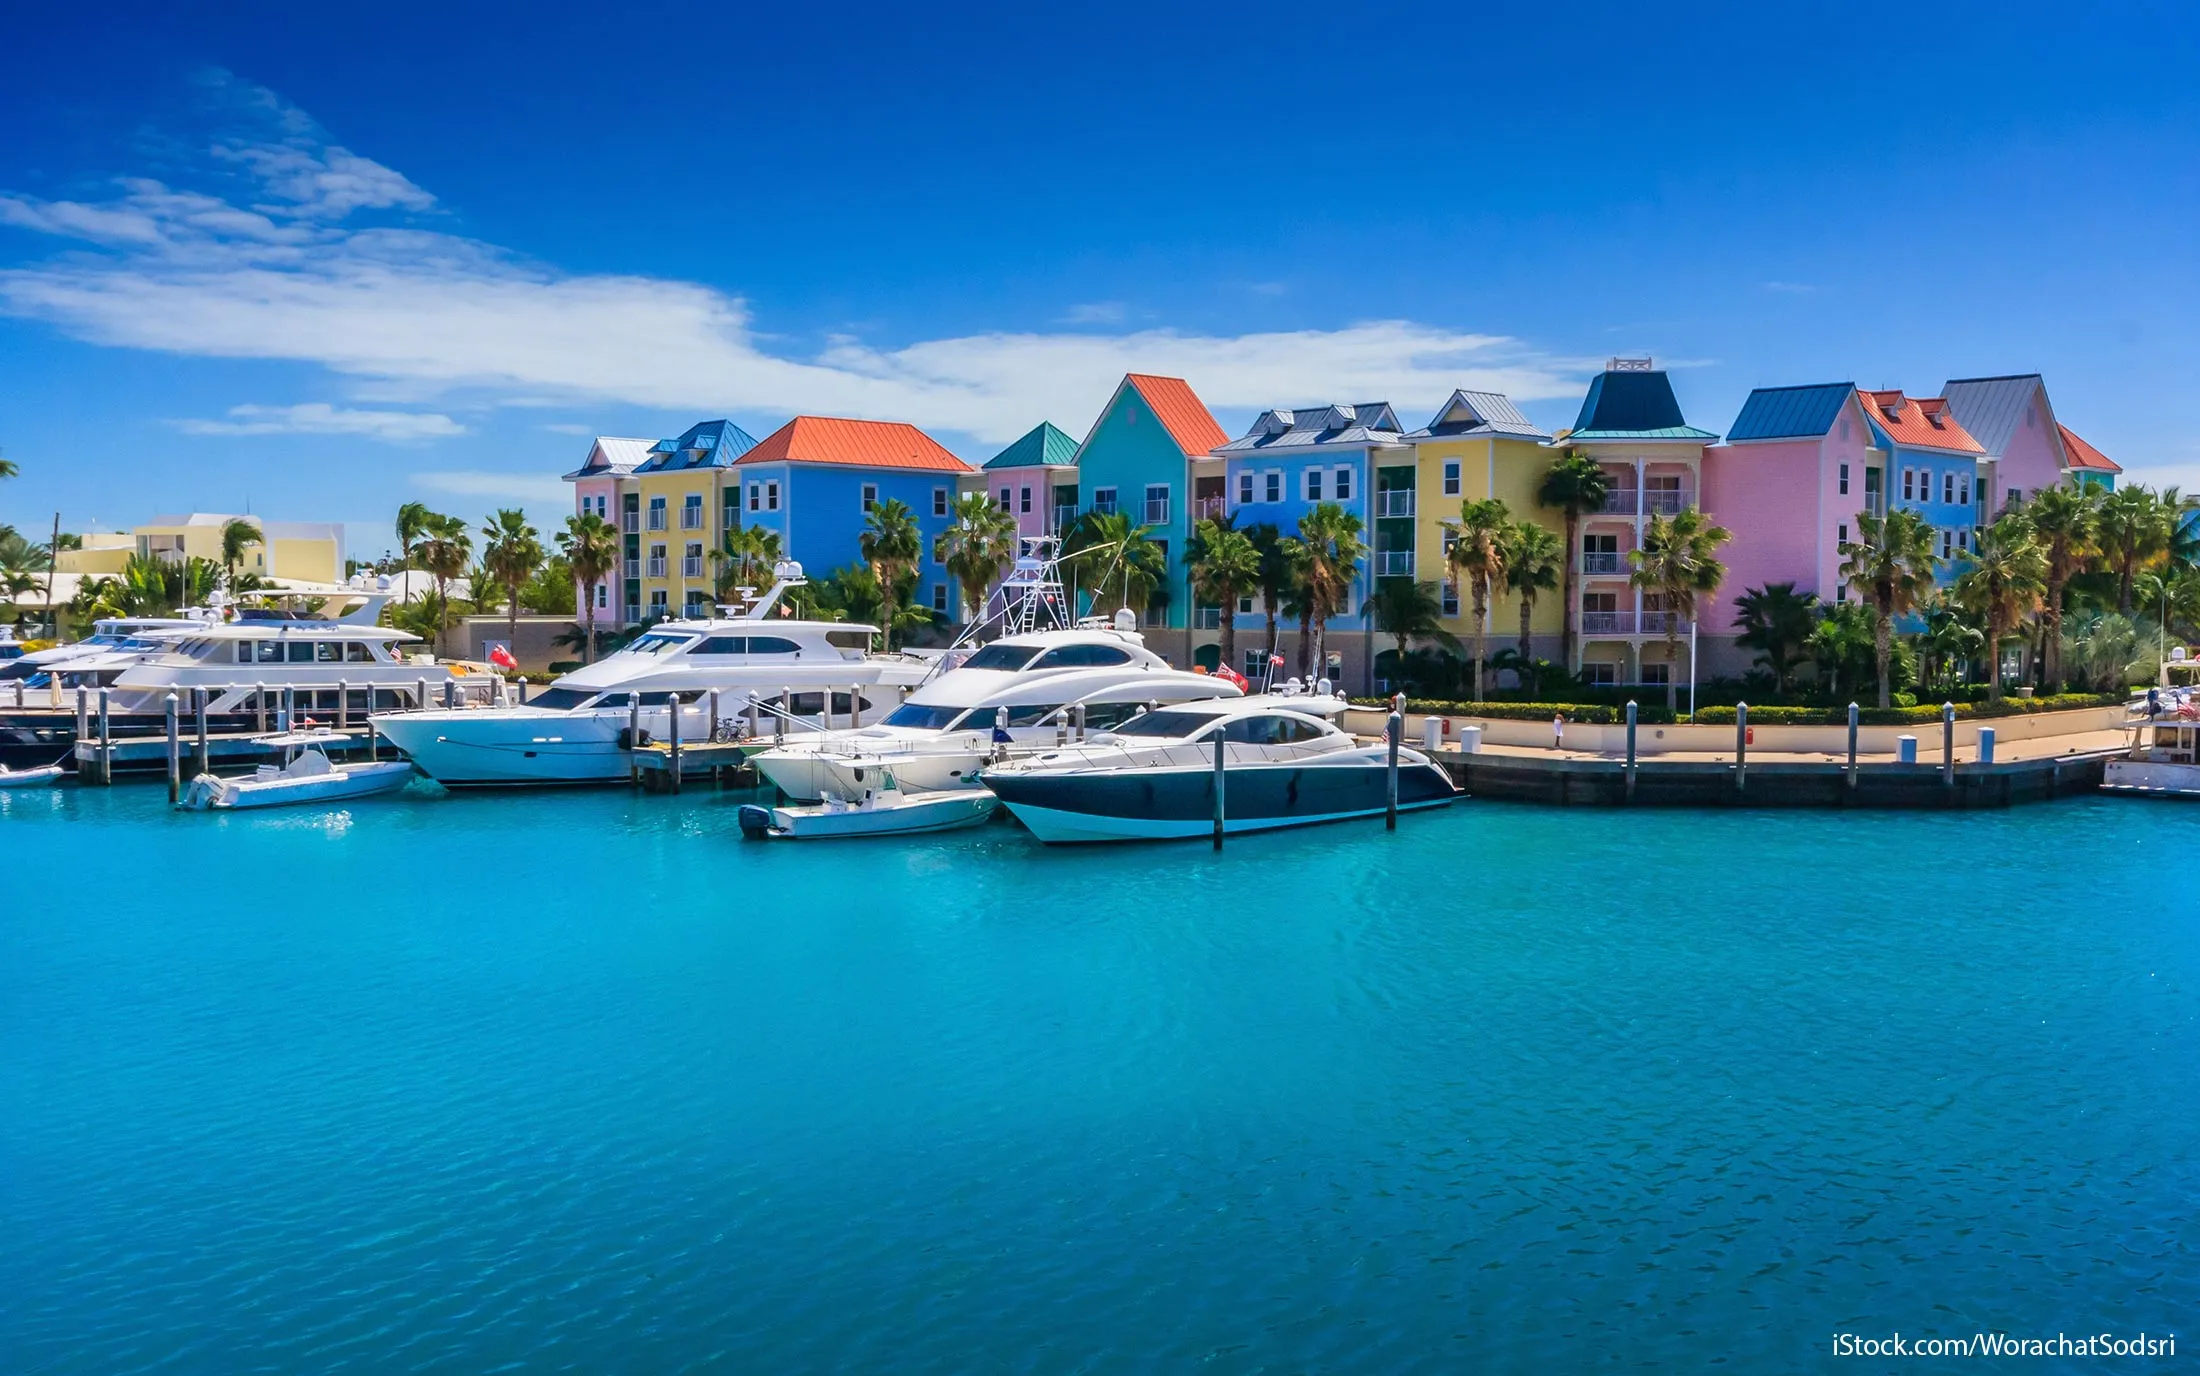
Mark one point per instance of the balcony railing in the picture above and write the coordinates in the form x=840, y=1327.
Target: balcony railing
x=1627, y=623
x=1619, y=501
x=692, y=567
x=631, y=522
x=1603, y=561
x=1065, y=516
x=633, y=612
x=691, y=518
x=1206, y=618
x=1395, y=502
x=1208, y=508
x=1665, y=501
x=633, y=568
x=656, y=568
x=1157, y=511
x=1394, y=563
x=656, y=518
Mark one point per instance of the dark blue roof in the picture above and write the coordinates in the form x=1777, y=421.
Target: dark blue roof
x=712, y=444
x=1638, y=403
x=1790, y=413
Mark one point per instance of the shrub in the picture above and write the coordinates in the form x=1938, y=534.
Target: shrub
x=1582, y=713
x=1907, y=716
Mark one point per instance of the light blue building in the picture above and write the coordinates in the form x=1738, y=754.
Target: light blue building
x=1139, y=458
x=1932, y=468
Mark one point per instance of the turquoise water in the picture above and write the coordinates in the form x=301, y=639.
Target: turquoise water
x=1510, y=1089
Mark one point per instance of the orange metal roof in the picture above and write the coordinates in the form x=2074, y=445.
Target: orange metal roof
x=2083, y=455
x=855, y=443
x=1923, y=421
x=1181, y=412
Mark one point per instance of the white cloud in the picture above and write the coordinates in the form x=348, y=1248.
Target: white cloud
x=570, y=428
x=320, y=418
x=411, y=314
x=1097, y=313
x=513, y=487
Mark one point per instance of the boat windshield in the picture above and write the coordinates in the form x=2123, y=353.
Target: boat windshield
x=999, y=656
x=1171, y=723
x=658, y=643
x=924, y=718
x=561, y=699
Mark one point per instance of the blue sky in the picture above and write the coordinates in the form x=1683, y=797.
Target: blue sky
x=324, y=264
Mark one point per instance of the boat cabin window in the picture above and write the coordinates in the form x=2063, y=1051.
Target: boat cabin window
x=810, y=704
x=1106, y=716
x=772, y=645
x=721, y=645
x=1083, y=657
x=1031, y=714
x=657, y=643
x=849, y=640
x=1164, y=723
x=301, y=651
x=665, y=699
x=328, y=651
x=560, y=699
x=999, y=656
x=924, y=718
x=358, y=652
x=1267, y=730
x=264, y=652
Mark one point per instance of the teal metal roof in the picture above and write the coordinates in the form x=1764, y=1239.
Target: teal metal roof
x=1790, y=413
x=1663, y=432
x=1043, y=446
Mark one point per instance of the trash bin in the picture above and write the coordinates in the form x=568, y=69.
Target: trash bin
x=1986, y=745
x=1470, y=739
x=1905, y=749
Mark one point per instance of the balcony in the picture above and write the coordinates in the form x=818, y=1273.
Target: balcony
x=1397, y=502
x=630, y=523
x=691, y=518
x=1065, y=516
x=1394, y=563
x=691, y=567
x=656, y=518
x=1157, y=511
x=1208, y=508
x=657, y=568
x=1619, y=501
x=633, y=568
x=1666, y=501
x=633, y=613
x=1604, y=561
x=1206, y=618
x=1628, y=624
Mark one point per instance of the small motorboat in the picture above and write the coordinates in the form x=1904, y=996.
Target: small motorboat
x=306, y=775
x=40, y=777
x=882, y=809
x=2164, y=758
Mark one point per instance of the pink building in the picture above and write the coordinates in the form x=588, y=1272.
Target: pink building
x=2026, y=448
x=1034, y=480
x=596, y=490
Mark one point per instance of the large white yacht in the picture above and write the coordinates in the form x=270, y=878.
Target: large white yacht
x=1040, y=683
x=116, y=642
x=249, y=663
x=761, y=672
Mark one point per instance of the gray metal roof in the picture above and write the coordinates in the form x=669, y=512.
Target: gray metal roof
x=1784, y=413
x=1478, y=413
x=1318, y=427
x=1991, y=408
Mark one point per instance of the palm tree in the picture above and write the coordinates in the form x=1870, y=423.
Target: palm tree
x=979, y=542
x=238, y=535
x=1478, y=556
x=1891, y=567
x=591, y=545
x=1332, y=539
x=891, y=545
x=2066, y=521
x=2002, y=585
x=1279, y=576
x=2136, y=526
x=1403, y=610
x=1950, y=641
x=512, y=555
x=412, y=527
x=444, y=549
x=2172, y=598
x=1844, y=638
x=1776, y=621
x=744, y=558
x=1119, y=552
x=8, y=468
x=1577, y=485
x=1535, y=562
x=1679, y=561
x=1224, y=566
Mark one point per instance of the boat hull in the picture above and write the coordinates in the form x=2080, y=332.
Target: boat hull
x=2149, y=779
x=1069, y=807
x=514, y=747
x=209, y=793
x=42, y=776
x=914, y=815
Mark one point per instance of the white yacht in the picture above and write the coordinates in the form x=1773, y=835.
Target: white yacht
x=1152, y=778
x=116, y=642
x=760, y=672
x=249, y=663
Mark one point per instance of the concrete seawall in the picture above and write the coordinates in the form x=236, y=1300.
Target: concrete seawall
x=1573, y=782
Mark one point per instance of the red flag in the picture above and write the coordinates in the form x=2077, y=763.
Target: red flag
x=502, y=657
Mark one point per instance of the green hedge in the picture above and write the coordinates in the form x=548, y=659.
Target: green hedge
x=1921, y=714
x=1584, y=713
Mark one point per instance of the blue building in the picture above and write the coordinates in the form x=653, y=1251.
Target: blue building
x=1140, y=458
x=816, y=479
x=1932, y=468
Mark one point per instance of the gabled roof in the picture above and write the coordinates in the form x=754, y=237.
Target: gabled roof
x=1919, y=422
x=1326, y=427
x=1042, y=446
x=1469, y=414
x=2083, y=455
x=1790, y=413
x=1633, y=403
x=1991, y=408
x=611, y=457
x=854, y=444
x=712, y=444
x=1180, y=411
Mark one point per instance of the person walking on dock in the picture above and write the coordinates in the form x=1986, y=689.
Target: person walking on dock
x=1558, y=731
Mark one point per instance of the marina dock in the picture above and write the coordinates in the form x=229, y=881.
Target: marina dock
x=722, y=764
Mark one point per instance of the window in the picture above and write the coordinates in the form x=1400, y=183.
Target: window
x=1157, y=504
x=1262, y=730
x=1245, y=606
x=1313, y=484
x=1035, y=713
x=656, y=513
x=328, y=652
x=1963, y=491
x=1844, y=480
x=771, y=496
x=1000, y=655
x=1598, y=675
x=656, y=561
x=1451, y=597
x=1005, y=499
x=772, y=645
x=691, y=566
x=1245, y=489
x=1451, y=477
x=1947, y=543
x=1167, y=722
x=939, y=501
x=1256, y=664
x=2016, y=496
x=1082, y=657
x=1948, y=488
x=1274, y=487
x=659, y=643
x=922, y=717
x=1342, y=487
x=1844, y=536
x=691, y=512
x=1908, y=474
x=359, y=652
x=1656, y=675
x=603, y=596
x=730, y=513
x=1963, y=540
x=756, y=496
x=939, y=599
x=1103, y=500
x=1023, y=501
x=870, y=495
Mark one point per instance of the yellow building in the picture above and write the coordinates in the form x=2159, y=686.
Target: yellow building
x=1478, y=446
x=676, y=507
x=291, y=551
